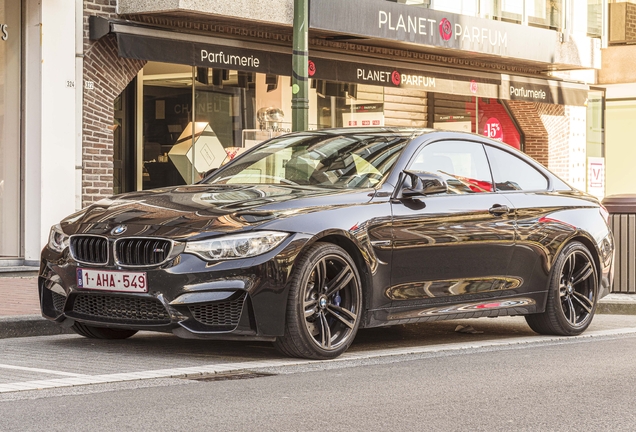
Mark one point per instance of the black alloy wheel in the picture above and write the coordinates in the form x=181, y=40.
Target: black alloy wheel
x=324, y=306
x=93, y=332
x=572, y=295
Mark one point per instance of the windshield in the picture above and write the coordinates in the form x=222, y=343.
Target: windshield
x=341, y=161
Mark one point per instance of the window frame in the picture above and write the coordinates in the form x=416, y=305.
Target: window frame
x=420, y=148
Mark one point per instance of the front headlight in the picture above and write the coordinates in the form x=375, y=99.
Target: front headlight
x=236, y=246
x=58, y=241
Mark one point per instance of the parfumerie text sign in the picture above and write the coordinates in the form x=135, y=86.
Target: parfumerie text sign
x=200, y=54
x=551, y=92
x=395, y=21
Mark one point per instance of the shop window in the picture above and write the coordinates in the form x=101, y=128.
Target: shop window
x=223, y=107
x=348, y=105
x=485, y=116
x=495, y=122
x=167, y=101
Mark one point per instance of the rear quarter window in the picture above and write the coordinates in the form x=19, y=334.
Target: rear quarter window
x=513, y=173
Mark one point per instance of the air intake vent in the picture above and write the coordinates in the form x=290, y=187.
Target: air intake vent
x=89, y=249
x=224, y=315
x=119, y=309
x=58, y=301
x=141, y=251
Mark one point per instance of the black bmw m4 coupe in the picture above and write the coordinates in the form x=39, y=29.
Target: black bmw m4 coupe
x=311, y=236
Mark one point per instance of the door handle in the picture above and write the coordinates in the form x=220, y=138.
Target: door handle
x=499, y=210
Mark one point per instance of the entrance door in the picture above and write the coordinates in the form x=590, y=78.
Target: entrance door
x=124, y=140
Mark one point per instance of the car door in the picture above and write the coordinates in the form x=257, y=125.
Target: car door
x=454, y=246
x=538, y=234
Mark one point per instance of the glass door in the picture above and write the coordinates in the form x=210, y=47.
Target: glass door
x=124, y=140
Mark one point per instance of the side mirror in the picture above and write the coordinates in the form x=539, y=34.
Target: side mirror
x=207, y=173
x=424, y=183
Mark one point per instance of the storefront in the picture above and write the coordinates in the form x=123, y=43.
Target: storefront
x=239, y=93
x=10, y=142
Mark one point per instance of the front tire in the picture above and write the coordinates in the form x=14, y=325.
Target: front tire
x=93, y=332
x=324, y=307
x=572, y=294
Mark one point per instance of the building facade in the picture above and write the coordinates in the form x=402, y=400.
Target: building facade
x=40, y=143
x=110, y=101
x=618, y=77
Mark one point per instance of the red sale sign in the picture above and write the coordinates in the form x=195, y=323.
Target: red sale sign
x=493, y=129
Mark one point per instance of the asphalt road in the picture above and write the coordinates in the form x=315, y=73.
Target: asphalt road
x=505, y=378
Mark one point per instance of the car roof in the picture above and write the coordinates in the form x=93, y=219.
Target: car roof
x=398, y=131
x=426, y=134
x=422, y=135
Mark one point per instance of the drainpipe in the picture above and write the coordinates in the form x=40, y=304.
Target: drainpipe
x=300, y=58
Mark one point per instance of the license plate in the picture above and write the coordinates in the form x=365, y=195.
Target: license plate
x=105, y=280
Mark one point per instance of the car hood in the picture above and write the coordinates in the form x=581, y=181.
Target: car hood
x=201, y=210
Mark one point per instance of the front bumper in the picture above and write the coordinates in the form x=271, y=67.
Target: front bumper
x=235, y=299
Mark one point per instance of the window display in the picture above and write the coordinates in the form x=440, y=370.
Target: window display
x=236, y=110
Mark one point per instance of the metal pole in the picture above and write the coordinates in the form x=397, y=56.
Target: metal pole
x=300, y=58
x=194, y=173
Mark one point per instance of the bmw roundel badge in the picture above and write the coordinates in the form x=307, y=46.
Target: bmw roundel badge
x=119, y=229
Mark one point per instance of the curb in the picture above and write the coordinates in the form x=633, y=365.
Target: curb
x=35, y=325
x=29, y=325
x=617, y=308
x=617, y=304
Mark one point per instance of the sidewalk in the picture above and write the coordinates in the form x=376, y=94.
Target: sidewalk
x=20, y=308
x=19, y=296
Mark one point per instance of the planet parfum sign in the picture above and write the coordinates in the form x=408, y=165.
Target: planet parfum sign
x=399, y=22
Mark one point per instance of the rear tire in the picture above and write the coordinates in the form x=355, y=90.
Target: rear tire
x=572, y=294
x=101, y=332
x=324, y=307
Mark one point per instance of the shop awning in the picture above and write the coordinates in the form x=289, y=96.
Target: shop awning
x=144, y=42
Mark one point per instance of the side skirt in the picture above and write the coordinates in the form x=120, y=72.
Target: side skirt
x=523, y=305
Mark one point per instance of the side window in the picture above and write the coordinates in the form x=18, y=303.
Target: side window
x=513, y=173
x=463, y=165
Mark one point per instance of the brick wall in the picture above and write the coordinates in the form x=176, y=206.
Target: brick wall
x=630, y=21
x=110, y=75
x=558, y=129
x=536, y=136
x=554, y=136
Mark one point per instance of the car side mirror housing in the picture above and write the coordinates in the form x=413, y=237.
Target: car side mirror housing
x=207, y=173
x=424, y=183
